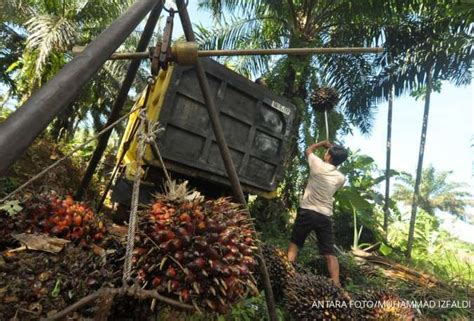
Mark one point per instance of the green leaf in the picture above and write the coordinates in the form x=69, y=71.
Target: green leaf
x=385, y=249
x=12, y=67
x=56, y=289
x=363, y=160
x=11, y=207
x=350, y=198
x=391, y=173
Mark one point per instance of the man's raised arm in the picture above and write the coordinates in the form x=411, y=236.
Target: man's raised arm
x=311, y=148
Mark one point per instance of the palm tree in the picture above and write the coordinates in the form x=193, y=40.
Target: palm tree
x=436, y=192
x=294, y=23
x=48, y=37
x=50, y=29
x=386, y=207
x=433, y=43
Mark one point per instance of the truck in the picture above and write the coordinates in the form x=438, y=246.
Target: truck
x=257, y=124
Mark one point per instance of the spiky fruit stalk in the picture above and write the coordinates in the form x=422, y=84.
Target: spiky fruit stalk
x=204, y=250
x=313, y=297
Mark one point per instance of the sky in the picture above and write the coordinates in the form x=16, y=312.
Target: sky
x=448, y=141
x=449, y=134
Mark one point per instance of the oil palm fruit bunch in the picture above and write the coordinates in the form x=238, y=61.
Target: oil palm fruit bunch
x=196, y=251
x=382, y=304
x=63, y=217
x=280, y=270
x=324, y=99
x=313, y=297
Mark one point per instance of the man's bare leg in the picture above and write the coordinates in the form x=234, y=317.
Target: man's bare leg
x=292, y=252
x=333, y=267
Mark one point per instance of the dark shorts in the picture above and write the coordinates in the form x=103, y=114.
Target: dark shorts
x=307, y=221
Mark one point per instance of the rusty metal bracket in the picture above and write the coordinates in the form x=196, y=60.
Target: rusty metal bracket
x=155, y=59
x=162, y=54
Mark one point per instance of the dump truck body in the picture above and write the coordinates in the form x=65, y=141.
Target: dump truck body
x=256, y=123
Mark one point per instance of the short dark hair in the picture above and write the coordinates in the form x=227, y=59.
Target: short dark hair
x=338, y=154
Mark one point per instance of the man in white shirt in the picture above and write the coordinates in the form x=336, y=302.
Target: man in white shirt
x=316, y=206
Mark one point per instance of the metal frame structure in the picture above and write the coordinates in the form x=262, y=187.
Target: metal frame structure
x=120, y=101
x=19, y=130
x=138, y=55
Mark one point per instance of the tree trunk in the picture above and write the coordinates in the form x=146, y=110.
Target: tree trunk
x=296, y=92
x=386, y=208
x=420, y=164
x=64, y=122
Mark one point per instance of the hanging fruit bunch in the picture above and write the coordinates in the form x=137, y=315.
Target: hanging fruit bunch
x=324, y=99
x=63, y=217
x=314, y=297
x=199, y=252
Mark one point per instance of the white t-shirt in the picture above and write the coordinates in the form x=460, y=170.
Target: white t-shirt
x=324, y=180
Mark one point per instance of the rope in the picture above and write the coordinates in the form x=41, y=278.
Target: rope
x=132, y=223
x=147, y=135
x=56, y=163
x=147, y=132
x=153, y=130
x=157, y=150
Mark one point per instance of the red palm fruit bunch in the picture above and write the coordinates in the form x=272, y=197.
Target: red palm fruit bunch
x=324, y=99
x=199, y=252
x=63, y=217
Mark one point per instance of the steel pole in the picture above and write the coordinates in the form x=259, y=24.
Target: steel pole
x=212, y=110
x=289, y=51
x=252, y=52
x=224, y=150
x=120, y=100
x=327, y=124
x=27, y=122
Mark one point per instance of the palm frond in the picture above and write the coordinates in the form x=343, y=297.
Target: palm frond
x=239, y=33
x=49, y=34
x=15, y=11
x=351, y=76
x=437, y=192
x=94, y=13
x=227, y=35
x=218, y=7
